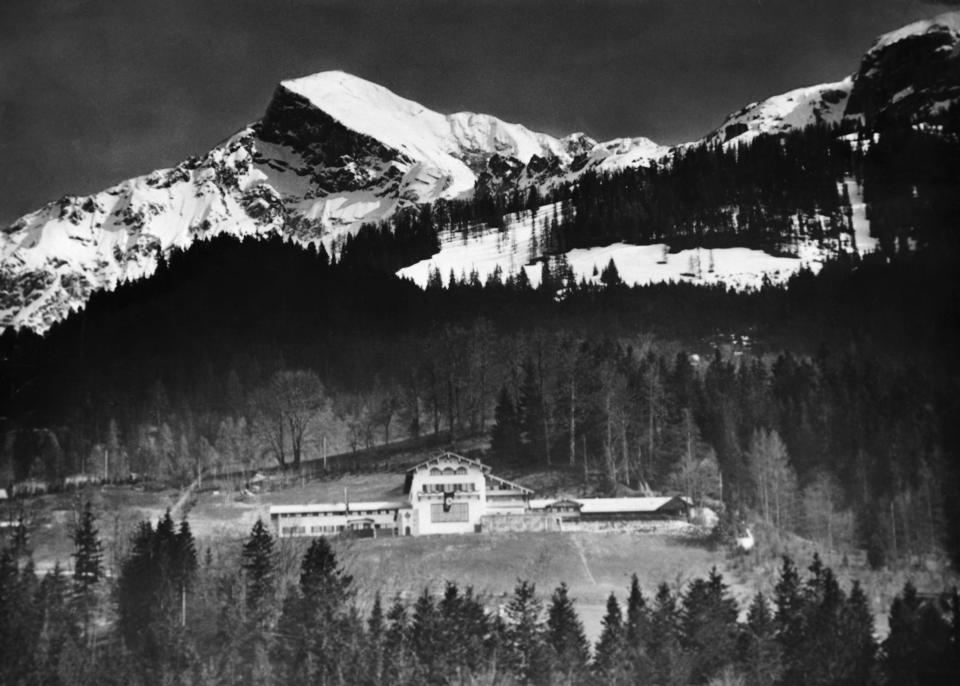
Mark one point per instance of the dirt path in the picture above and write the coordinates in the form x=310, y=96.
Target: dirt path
x=578, y=544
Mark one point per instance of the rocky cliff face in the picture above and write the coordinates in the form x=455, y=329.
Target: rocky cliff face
x=908, y=75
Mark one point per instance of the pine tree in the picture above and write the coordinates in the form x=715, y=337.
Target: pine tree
x=671, y=666
x=530, y=411
x=88, y=555
x=609, y=662
x=901, y=647
x=791, y=622
x=525, y=654
x=638, y=632
x=505, y=436
x=426, y=640
x=709, y=626
x=858, y=645
x=396, y=667
x=87, y=566
x=376, y=630
x=257, y=563
x=758, y=651
x=565, y=635
x=323, y=581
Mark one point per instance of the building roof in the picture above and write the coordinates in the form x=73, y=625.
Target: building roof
x=511, y=486
x=610, y=505
x=336, y=507
x=447, y=455
x=543, y=503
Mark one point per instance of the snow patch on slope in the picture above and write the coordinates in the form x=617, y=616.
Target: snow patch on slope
x=790, y=111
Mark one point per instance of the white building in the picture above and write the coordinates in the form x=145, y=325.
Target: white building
x=452, y=494
x=371, y=519
x=449, y=493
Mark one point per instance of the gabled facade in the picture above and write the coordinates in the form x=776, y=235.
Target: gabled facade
x=450, y=493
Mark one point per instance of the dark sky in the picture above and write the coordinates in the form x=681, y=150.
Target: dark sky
x=95, y=91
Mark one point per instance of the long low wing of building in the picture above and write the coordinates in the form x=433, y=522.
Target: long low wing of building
x=377, y=518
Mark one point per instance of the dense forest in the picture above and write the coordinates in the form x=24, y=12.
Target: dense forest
x=264, y=614
x=808, y=404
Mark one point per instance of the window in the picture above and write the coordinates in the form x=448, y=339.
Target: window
x=448, y=471
x=435, y=472
x=459, y=512
x=461, y=470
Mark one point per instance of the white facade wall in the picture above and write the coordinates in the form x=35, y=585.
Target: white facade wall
x=430, y=482
x=332, y=520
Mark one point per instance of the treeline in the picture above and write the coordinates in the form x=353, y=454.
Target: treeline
x=772, y=193
x=269, y=617
x=768, y=193
x=811, y=444
x=240, y=355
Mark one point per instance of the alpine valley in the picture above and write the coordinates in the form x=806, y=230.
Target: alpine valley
x=234, y=392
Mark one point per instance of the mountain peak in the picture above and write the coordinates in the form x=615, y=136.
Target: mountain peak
x=948, y=22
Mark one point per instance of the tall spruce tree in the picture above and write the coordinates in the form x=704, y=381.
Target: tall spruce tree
x=524, y=635
x=709, y=626
x=638, y=632
x=566, y=637
x=87, y=566
x=859, y=647
x=505, y=437
x=791, y=622
x=758, y=651
x=671, y=665
x=257, y=563
x=610, y=664
x=426, y=640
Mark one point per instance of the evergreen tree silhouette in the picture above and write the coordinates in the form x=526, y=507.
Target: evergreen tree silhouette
x=565, y=635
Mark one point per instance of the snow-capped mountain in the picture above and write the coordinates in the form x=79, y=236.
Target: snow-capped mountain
x=334, y=151
x=911, y=74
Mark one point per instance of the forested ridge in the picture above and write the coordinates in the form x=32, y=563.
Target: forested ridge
x=825, y=396
x=267, y=613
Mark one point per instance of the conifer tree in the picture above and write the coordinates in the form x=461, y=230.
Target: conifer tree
x=671, y=666
x=857, y=642
x=396, y=667
x=638, y=632
x=791, y=622
x=376, y=630
x=524, y=635
x=88, y=554
x=709, y=626
x=758, y=650
x=565, y=635
x=901, y=647
x=87, y=566
x=505, y=436
x=257, y=563
x=609, y=662
x=426, y=640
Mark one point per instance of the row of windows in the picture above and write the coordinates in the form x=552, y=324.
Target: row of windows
x=447, y=471
x=337, y=514
x=459, y=512
x=315, y=530
x=469, y=487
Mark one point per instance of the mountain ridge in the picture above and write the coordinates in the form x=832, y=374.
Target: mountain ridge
x=334, y=151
